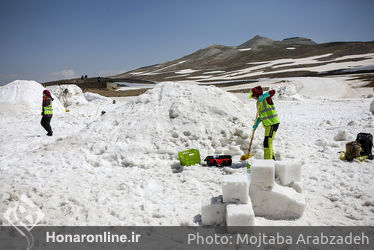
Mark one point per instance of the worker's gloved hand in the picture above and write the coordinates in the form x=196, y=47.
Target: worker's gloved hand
x=264, y=96
x=257, y=123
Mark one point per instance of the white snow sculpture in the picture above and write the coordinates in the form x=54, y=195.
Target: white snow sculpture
x=270, y=199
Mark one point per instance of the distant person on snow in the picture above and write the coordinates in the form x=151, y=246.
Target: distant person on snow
x=47, y=112
x=269, y=118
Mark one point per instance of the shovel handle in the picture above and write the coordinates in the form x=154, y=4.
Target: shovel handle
x=253, y=132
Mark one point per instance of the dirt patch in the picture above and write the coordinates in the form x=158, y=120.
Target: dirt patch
x=367, y=78
x=239, y=91
x=228, y=84
x=245, y=91
x=119, y=93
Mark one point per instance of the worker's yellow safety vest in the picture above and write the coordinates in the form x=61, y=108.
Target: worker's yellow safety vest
x=268, y=113
x=48, y=110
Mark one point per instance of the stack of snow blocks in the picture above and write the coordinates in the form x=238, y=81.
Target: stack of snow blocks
x=235, y=191
x=233, y=208
x=271, y=200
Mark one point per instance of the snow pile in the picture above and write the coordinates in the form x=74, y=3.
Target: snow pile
x=342, y=135
x=169, y=118
x=69, y=94
x=93, y=97
x=372, y=107
x=150, y=130
x=288, y=91
x=131, y=151
x=23, y=96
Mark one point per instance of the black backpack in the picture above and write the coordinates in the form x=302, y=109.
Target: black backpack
x=366, y=141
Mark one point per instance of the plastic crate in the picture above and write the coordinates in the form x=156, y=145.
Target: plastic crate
x=189, y=157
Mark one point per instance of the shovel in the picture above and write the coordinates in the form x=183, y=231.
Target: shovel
x=247, y=156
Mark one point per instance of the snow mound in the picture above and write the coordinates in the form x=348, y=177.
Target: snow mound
x=342, y=135
x=169, y=118
x=288, y=91
x=372, y=107
x=23, y=96
x=93, y=97
x=69, y=94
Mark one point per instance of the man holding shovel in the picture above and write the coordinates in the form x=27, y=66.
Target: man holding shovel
x=267, y=114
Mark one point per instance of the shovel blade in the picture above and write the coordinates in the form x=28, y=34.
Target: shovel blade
x=245, y=157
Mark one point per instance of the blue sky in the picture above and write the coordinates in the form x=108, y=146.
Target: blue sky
x=46, y=40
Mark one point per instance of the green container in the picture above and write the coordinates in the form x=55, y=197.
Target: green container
x=189, y=157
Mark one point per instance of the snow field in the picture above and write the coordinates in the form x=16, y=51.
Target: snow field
x=335, y=64
x=307, y=134
x=116, y=169
x=114, y=153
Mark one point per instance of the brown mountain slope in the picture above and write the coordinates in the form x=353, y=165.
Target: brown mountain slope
x=223, y=59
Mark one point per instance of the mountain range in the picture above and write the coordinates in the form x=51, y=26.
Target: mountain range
x=257, y=58
x=261, y=57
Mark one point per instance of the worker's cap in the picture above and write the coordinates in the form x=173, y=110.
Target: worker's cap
x=46, y=92
x=256, y=92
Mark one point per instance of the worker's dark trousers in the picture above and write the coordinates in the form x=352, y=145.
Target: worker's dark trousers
x=46, y=123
